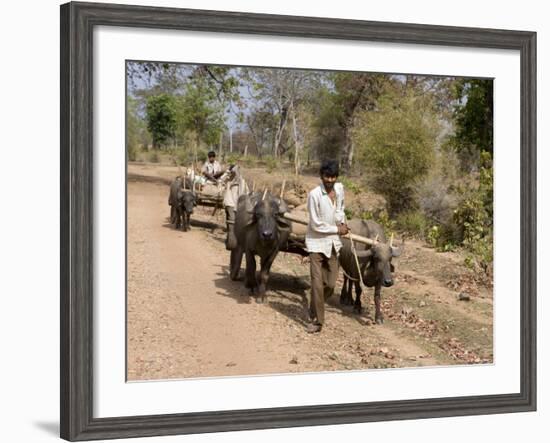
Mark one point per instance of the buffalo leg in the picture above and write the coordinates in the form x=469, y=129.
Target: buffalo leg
x=378, y=317
x=187, y=218
x=184, y=221
x=357, y=305
x=178, y=218
x=265, y=267
x=172, y=214
x=344, y=293
x=250, y=276
x=235, y=263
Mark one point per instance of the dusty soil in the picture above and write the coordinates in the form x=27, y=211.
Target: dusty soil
x=186, y=318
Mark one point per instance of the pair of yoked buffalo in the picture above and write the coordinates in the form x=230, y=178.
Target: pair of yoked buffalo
x=261, y=230
x=181, y=203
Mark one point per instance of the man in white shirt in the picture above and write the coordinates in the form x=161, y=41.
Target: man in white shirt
x=211, y=168
x=327, y=222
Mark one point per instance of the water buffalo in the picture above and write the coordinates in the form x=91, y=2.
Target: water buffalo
x=181, y=204
x=260, y=230
x=374, y=262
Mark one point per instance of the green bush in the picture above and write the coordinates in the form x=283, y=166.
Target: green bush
x=349, y=213
x=154, y=157
x=381, y=218
x=232, y=158
x=132, y=153
x=395, y=144
x=475, y=224
x=443, y=238
x=413, y=223
x=271, y=163
x=349, y=185
x=202, y=155
x=182, y=157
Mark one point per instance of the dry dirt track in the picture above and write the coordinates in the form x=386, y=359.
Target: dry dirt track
x=186, y=318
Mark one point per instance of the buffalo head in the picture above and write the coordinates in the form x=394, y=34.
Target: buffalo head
x=379, y=266
x=266, y=213
x=187, y=201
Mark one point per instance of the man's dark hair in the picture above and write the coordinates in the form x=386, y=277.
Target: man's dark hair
x=211, y=154
x=329, y=168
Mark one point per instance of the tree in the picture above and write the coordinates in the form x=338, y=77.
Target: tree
x=137, y=134
x=355, y=93
x=161, y=118
x=260, y=123
x=200, y=112
x=473, y=118
x=329, y=135
x=280, y=92
x=396, y=145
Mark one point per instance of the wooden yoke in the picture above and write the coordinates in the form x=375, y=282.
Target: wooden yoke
x=354, y=237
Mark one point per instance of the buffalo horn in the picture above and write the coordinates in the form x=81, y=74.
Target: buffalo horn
x=397, y=251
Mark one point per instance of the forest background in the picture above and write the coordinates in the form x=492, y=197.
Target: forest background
x=422, y=143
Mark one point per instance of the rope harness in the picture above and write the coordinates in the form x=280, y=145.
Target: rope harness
x=354, y=252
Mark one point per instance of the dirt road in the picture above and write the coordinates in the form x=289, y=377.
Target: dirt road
x=186, y=318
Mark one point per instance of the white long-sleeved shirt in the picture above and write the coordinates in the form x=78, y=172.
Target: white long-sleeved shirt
x=211, y=168
x=324, y=218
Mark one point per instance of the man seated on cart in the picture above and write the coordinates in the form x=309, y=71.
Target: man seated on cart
x=212, y=169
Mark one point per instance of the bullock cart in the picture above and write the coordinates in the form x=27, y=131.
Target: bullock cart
x=206, y=193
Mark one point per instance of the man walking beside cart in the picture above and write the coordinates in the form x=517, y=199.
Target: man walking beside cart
x=327, y=222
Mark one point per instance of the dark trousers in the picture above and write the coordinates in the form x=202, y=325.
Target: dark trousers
x=324, y=272
x=230, y=240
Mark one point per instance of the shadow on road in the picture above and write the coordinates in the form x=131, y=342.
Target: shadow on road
x=194, y=224
x=286, y=294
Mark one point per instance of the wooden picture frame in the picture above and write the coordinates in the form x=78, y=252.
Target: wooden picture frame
x=77, y=23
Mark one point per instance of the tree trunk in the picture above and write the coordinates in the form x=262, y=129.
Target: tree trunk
x=346, y=158
x=297, y=144
x=279, y=132
x=195, y=155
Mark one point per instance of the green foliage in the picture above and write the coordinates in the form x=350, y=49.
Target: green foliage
x=232, y=158
x=161, y=118
x=383, y=219
x=442, y=237
x=474, y=216
x=413, y=223
x=328, y=125
x=473, y=118
x=202, y=155
x=396, y=145
x=349, y=213
x=471, y=224
x=132, y=153
x=350, y=185
x=271, y=163
x=199, y=111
